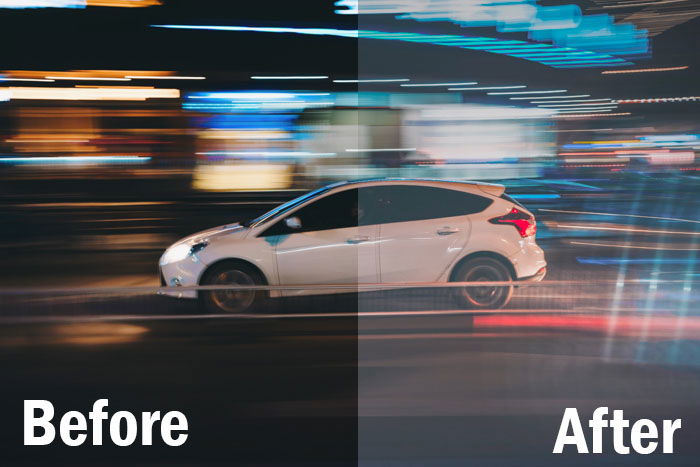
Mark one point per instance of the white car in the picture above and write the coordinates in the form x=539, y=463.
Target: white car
x=386, y=231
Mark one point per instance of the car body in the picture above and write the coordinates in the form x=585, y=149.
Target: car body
x=385, y=231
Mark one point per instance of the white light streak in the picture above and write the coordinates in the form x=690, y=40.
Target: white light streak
x=381, y=150
x=85, y=78
x=291, y=77
x=612, y=214
x=164, y=77
x=549, y=97
x=567, y=101
x=553, y=91
x=391, y=80
x=268, y=153
x=487, y=88
x=618, y=114
x=595, y=104
x=584, y=111
x=468, y=83
x=625, y=229
x=36, y=80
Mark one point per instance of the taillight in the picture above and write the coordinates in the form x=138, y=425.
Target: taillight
x=522, y=221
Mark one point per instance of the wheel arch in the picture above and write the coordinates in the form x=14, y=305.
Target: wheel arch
x=485, y=254
x=234, y=261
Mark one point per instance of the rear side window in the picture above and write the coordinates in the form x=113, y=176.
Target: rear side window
x=403, y=203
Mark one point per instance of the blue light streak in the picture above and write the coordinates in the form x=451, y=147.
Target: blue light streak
x=511, y=48
x=617, y=261
x=536, y=196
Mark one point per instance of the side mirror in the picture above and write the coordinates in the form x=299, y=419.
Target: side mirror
x=293, y=222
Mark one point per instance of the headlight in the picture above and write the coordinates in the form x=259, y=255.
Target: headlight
x=179, y=252
x=175, y=253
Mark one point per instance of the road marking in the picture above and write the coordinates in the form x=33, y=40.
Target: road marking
x=360, y=314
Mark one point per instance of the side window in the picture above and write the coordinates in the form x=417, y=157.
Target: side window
x=337, y=211
x=403, y=203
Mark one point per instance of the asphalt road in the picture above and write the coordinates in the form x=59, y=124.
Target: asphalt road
x=413, y=390
x=391, y=378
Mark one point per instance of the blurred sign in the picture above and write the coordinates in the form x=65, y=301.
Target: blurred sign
x=562, y=25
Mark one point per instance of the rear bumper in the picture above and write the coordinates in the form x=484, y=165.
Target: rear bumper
x=529, y=262
x=537, y=277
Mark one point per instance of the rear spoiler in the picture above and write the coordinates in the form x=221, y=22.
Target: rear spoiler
x=492, y=188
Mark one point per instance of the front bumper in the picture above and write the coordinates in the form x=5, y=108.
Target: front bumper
x=184, y=273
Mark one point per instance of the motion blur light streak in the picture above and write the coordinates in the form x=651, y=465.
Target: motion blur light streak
x=36, y=80
x=312, y=31
x=381, y=150
x=565, y=101
x=165, y=77
x=268, y=154
x=657, y=100
x=85, y=78
x=124, y=3
x=654, y=261
x=644, y=70
x=91, y=75
x=20, y=4
x=635, y=247
x=534, y=99
x=560, y=24
x=75, y=160
x=621, y=228
x=98, y=333
x=536, y=196
x=577, y=130
x=243, y=95
x=388, y=80
x=47, y=140
x=554, y=91
x=25, y=4
x=290, y=77
x=489, y=44
x=618, y=114
x=486, y=88
x=438, y=84
x=581, y=110
x=590, y=106
x=90, y=93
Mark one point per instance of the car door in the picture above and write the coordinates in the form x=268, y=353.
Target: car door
x=422, y=230
x=328, y=247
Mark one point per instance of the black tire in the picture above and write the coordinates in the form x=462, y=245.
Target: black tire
x=482, y=269
x=232, y=301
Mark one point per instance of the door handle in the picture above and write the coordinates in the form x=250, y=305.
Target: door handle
x=358, y=239
x=447, y=231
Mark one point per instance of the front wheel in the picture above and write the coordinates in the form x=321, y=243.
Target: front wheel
x=483, y=269
x=234, y=300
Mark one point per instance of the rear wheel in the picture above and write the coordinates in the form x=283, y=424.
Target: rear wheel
x=232, y=300
x=483, y=269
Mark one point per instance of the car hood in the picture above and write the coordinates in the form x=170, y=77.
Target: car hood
x=228, y=231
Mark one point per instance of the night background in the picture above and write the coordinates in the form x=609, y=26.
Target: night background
x=126, y=125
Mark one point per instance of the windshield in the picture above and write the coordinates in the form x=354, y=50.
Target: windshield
x=280, y=210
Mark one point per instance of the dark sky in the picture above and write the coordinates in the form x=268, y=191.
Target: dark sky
x=120, y=38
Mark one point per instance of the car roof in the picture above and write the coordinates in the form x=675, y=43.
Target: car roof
x=489, y=188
